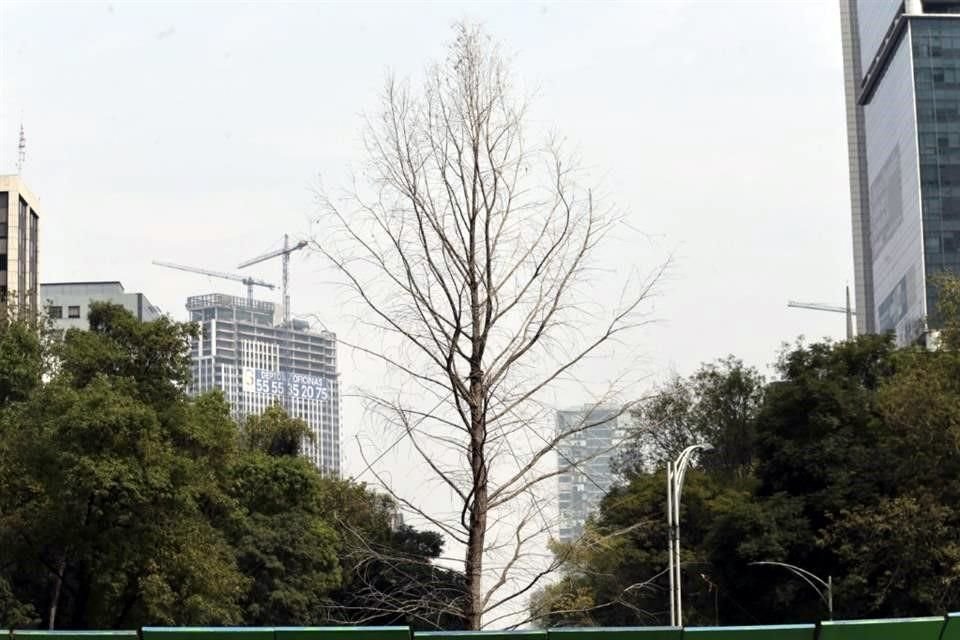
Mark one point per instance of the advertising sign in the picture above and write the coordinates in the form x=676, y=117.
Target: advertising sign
x=284, y=384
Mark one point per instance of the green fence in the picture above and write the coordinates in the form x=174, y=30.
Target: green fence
x=207, y=633
x=774, y=632
x=933, y=628
x=951, y=630
x=481, y=635
x=902, y=629
x=341, y=633
x=617, y=633
x=73, y=635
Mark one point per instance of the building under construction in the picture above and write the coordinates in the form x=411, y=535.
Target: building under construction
x=249, y=352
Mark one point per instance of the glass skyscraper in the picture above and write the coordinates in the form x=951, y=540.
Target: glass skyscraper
x=902, y=81
x=584, y=460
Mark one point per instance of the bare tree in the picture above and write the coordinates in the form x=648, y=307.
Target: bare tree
x=472, y=254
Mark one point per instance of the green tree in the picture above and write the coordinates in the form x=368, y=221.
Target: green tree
x=283, y=542
x=127, y=503
x=717, y=404
x=112, y=481
x=855, y=474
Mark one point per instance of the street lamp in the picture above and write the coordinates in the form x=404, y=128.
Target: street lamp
x=676, y=471
x=826, y=594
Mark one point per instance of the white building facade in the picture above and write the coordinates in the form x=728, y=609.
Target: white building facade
x=246, y=352
x=67, y=304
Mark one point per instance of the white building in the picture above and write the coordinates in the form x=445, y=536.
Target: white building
x=68, y=303
x=245, y=351
x=587, y=456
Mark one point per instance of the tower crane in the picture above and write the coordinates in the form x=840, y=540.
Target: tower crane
x=250, y=282
x=284, y=253
x=817, y=306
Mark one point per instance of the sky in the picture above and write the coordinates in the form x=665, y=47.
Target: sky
x=199, y=132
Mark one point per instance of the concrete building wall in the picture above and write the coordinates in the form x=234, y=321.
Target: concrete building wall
x=68, y=303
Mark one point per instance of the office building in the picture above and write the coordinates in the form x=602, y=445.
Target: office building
x=19, y=234
x=902, y=83
x=245, y=351
x=585, y=459
x=68, y=303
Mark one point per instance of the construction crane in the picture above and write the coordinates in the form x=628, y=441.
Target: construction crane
x=817, y=306
x=284, y=253
x=250, y=282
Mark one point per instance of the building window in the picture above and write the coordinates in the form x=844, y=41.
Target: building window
x=55, y=313
x=73, y=312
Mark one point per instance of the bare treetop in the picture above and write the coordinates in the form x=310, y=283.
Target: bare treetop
x=470, y=251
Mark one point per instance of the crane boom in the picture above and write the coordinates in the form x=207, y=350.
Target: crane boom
x=816, y=306
x=250, y=282
x=273, y=254
x=284, y=253
x=831, y=308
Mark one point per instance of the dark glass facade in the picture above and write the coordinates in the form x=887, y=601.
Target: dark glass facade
x=936, y=62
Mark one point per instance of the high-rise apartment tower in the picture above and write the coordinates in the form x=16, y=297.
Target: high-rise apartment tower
x=256, y=360
x=584, y=459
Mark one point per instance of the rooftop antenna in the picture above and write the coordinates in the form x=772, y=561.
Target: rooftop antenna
x=21, y=150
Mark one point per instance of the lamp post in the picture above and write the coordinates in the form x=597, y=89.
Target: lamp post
x=826, y=594
x=676, y=471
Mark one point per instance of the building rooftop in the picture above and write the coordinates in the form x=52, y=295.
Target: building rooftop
x=88, y=283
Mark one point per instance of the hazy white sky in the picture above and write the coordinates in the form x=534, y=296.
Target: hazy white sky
x=195, y=133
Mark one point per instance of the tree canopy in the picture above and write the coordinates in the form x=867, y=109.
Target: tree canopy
x=847, y=465
x=127, y=503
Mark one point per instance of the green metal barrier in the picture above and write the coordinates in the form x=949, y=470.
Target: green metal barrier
x=341, y=633
x=617, y=633
x=894, y=629
x=73, y=635
x=951, y=629
x=769, y=632
x=482, y=635
x=207, y=633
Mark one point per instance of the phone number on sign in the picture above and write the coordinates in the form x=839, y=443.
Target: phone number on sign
x=279, y=383
x=291, y=389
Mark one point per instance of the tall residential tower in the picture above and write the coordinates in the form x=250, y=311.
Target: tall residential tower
x=256, y=360
x=902, y=81
x=584, y=459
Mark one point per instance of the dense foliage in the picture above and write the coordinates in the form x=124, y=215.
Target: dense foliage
x=847, y=465
x=123, y=502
